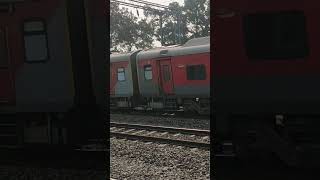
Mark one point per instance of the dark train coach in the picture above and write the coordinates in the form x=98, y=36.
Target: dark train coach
x=266, y=73
x=52, y=71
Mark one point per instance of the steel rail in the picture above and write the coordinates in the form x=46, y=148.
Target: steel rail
x=162, y=128
x=175, y=113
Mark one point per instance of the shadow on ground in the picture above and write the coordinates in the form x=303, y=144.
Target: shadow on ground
x=231, y=169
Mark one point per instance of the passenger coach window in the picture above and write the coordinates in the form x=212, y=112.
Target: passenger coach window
x=3, y=48
x=148, y=72
x=196, y=72
x=121, y=74
x=35, y=41
x=279, y=35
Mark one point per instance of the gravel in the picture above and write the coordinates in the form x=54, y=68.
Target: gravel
x=183, y=137
x=30, y=173
x=140, y=160
x=192, y=123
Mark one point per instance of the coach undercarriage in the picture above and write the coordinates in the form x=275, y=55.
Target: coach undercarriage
x=120, y=102
x=47, y=129
x=23, y=129
x=293, y=139
x=170, y=103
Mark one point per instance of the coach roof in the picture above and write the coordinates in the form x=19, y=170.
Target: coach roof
x=118, y=57
x=173, y=51
x=198, y=41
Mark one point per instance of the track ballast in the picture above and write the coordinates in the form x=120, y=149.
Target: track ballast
x=195, y=138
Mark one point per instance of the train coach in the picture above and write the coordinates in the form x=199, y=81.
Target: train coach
x=163, y=78
x=50, y=74
x=123, y=80
x=266, y=90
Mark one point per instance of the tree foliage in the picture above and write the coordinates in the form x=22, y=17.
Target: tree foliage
x=126, y=32
x=174, y=24
x=179, y=24
x=198, y=17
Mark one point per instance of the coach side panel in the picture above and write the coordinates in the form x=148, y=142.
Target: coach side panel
x=191, y=75
x=97, y=39
x=148, y=77
x=121, y=79
x=47, y=83
x=270, y=69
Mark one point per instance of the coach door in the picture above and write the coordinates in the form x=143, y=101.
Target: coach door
x=6, y=84
x=166, y=76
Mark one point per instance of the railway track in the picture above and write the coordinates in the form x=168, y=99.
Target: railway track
x=161, y=113
x=195, y=138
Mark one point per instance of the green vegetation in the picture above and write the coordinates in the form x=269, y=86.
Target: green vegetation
x=179, y=24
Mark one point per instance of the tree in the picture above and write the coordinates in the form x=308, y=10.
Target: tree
x=174, y=26
x=198, y=16
x=145, y=33
x=181, y=23
x=126, y=32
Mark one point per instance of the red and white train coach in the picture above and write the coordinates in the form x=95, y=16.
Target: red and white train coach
x=266, y=74
x=177, y=76
x=123, y=80
x=163, y=78
x=52, y=67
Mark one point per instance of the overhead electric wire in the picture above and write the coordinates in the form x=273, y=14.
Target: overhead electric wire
x=136, y=6
x=128, y=4
x=150, y=3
